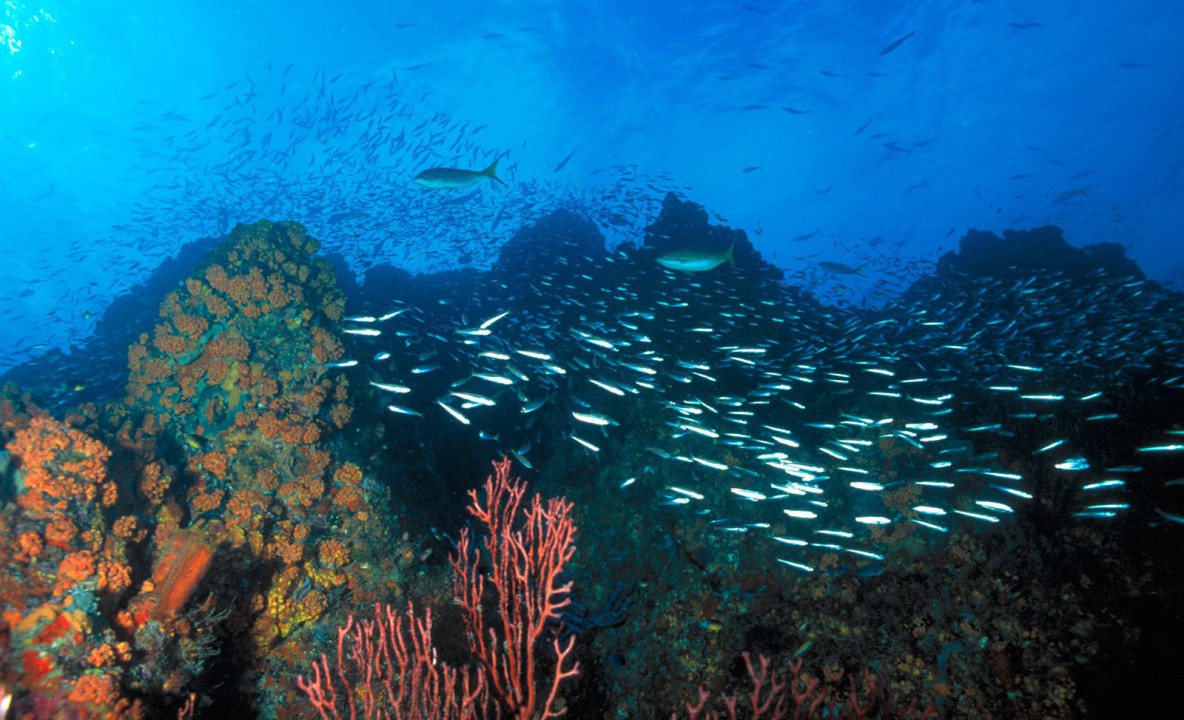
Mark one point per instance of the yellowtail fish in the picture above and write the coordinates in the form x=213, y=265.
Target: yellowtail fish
x=692, y=261
x=455, y=178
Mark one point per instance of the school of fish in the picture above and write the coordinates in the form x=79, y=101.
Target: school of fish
x=777, y=411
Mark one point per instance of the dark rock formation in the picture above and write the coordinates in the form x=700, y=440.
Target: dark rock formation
x=1019, y=253
x=683, y=225
x=562, y=234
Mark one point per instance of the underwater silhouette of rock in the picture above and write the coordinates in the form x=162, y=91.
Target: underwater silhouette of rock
x=1021, y=252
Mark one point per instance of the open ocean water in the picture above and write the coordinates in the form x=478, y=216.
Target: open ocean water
x=596, y=359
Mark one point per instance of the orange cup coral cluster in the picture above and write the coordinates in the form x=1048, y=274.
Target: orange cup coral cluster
x=63, y=469
x=229, y=405
x=58, y=558
x=221, y=479
x=235, y=371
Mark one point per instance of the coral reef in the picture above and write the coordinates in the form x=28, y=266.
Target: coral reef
x=233, y=393
x=61, y=562
x=206, y=519
x=190, y=546
x=826, y=695
x=387, y=666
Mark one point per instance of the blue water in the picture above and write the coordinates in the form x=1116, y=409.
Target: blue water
x=1032, y=414
x=132, y=128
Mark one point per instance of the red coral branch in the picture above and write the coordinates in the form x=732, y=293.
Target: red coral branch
x=813, y=698
x=387, y=668
x=528, y=550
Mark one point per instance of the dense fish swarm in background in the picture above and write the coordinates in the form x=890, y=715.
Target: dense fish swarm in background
x=878, y=485
x=340, y=161
x=816, y=427
x=874, y=487
x=320, y=304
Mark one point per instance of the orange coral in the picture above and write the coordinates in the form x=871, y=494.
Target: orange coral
x=278, y=297
x=264, y=386
x=341, y=415
x=244, y=290
x=152, y=370
x=313, y=605
x=314, y=397
x=326, y=347
x=101, y=656
x=204, y=501
x=95, y=690
x=248, y=383
x=350, y=498
x=333, y=307
x=318, y=462
x=60, y=533
x=217, y=369
x=302, y=491
x=268, y=479
x=348, y=474
x=137, y=353
x=289, y=551
x=61, y=466
x=30, y=545
x=74, y=568
x=217, y=305
x=169, y=344
x=214, y=462
x=154, y=483
x=229, y=345
x=245, y=509
x=110, y=494
x=217, y=278
x=113, y=576
x=296, y=433
x=269, y=425
x=124, y=527
x=191, y=326
x=333, y=553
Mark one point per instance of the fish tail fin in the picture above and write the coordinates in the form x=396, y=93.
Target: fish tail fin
x=728, y=255
x=491, y=171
